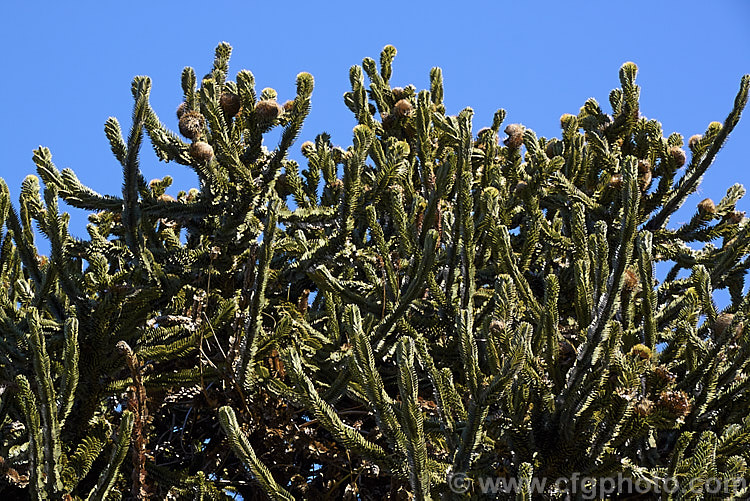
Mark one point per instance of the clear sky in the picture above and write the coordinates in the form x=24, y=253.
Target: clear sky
x=68, y=66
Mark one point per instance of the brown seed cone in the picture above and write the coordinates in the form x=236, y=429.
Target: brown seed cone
x=230, y=104
x=166, y=198
x=735, y=217
x=515, y=135
x=739, y=330
x=675, y=402
x=337, y=184
x=402, y=108
x=644, y=166
x=630, y=280
x=268, y=110
x=707, y=206
x=496, y=326
x=201, y=151
x=693, y=141
x=615, y=181
x=181, y=109
x=288, y=106
x=398, y=93
x=722, y=322
x=191, y=124
x=644, y=407
x=644, y=180
x=678, y=155
x=303, y=301
x=308, y=147
x=664, y=374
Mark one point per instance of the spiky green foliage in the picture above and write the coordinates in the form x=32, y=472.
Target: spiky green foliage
x=425, y=305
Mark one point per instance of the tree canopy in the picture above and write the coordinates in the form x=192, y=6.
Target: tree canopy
x=409, y=316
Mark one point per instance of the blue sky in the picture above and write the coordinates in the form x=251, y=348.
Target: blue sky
x=68, y=66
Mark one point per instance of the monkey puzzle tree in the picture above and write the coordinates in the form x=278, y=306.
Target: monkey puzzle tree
x=424, y=306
